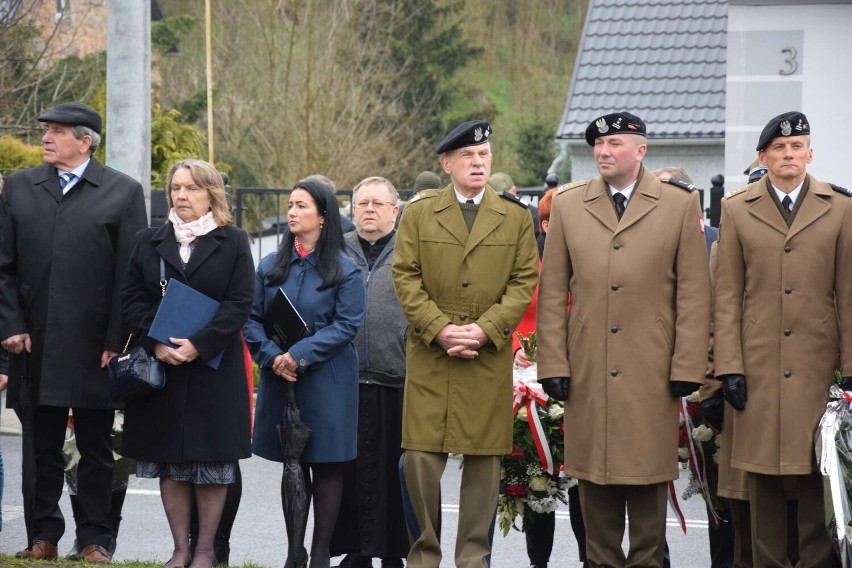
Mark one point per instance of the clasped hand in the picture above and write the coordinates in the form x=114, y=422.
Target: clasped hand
x=463, y=341
x=183, y=353
x=285, y=366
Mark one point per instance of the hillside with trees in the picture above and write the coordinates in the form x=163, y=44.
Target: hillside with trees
x=347, y=88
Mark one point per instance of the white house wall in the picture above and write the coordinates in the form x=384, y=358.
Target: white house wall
x=783, y=58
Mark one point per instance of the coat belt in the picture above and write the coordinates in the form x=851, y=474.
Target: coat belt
x=473, y=311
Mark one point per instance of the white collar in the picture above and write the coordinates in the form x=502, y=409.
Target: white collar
x=78, y=172
x=477, y=199
x=794, y=195
x=627, y=192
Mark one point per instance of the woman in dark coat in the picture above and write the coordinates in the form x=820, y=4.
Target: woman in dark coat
x=191, y=434
x=325, y=287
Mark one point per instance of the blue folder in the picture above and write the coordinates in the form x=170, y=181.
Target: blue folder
x=183, y=312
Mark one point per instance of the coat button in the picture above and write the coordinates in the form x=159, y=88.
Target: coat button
x=506, y=331
x=787, y=332
x=303, y=363
x=788, y=290
x=614, y=372
x=416, y=330
x=614, y=329
x=615, y=287
x=462, y=317
x=787, y=373
x=465, y=283
x=616, y=246
x=787, y=248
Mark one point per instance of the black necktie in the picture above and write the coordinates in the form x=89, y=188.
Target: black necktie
x=65, y=179
x=619, y=204
x=469, y=201
x=787, y=206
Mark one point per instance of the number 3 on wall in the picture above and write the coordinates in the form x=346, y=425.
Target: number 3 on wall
x=790, y=59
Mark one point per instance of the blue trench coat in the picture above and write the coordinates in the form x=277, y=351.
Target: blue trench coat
x=327, y=386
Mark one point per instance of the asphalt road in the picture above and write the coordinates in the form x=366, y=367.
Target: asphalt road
x=259, y=536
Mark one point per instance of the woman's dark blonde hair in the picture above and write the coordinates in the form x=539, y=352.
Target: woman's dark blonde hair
x=205, y=176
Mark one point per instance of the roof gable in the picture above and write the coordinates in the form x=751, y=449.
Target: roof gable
x=663, y=60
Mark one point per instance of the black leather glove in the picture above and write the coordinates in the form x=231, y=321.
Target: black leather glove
x=557, y=388
x=682, y=388
x=734, y=389
x=846, y=383
x=713, y=411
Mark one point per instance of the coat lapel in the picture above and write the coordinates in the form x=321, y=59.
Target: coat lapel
x=205, y=246
x=48, y=179
x=763, y=208
x=645, y=198
x=167, y=247
x=814, y=205
x=449, y=216
x=599, y=205
x=490, y=215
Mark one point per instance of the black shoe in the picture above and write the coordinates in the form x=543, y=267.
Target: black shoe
x=356, y=561
x=74, y=554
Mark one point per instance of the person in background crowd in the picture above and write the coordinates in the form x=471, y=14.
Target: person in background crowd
x=66, y=230
x=679, y=175
x=4, y=381
x=464, y=270
x=783, y=319
x=628, y=248
x=427, y=180
x=371, y=523
x=191, y=433
x=501, y=182
x=539, y=534
x=326, y=288
x=347, y=226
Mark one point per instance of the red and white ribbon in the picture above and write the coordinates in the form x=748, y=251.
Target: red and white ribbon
x=697, y=465
x=531, y=395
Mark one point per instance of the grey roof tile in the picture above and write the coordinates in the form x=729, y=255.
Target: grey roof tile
x=661, y=59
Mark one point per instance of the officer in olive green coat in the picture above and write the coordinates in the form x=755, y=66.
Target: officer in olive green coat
x=465, y=267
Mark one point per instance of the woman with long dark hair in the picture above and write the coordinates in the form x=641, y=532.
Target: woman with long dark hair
x=325, y=286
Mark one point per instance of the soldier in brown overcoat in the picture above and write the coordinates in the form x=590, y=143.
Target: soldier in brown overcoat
x=783, y=322
x=630, y=251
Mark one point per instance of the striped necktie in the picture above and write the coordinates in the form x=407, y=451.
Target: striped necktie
x=65, y=179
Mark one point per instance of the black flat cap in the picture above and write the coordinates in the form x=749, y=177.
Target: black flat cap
x=756, y=173
x=788, y=124
x=615, y=123
x=73, y=114
x=468, y=133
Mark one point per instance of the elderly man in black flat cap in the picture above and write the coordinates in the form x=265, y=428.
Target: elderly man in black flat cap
x=628, y=250
x=465, y=268
x=783, y=324
x=66, y=230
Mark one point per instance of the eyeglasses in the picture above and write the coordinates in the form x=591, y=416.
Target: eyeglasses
x=377, y=205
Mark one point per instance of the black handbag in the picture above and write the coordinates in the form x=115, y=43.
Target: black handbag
x=133, y=373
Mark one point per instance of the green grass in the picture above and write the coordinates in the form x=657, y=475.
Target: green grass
x=12, y=562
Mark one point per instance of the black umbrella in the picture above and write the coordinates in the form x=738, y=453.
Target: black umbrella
x=294, y=436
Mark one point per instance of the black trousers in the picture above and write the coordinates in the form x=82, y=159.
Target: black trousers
x=45, y=431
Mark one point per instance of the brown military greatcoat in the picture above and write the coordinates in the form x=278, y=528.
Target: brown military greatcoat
x=783, y=318
x=640, y=317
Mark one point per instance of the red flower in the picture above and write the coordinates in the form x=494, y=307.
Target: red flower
x=517, y=453
x=516, y=490
x=693, y=409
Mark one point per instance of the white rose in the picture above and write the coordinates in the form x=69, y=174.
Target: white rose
x=522, y=413
x=538, y=483
x=556, y=411
x=682, y=453
x=702, y=434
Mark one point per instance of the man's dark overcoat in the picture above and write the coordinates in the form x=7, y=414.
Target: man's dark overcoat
x=61, y=262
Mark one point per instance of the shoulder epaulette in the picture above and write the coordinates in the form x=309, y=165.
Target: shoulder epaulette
x=424, y=194
x=839, y=189
x=681, y=184
x=568, y=186
x=735, y=192
x=514, y=199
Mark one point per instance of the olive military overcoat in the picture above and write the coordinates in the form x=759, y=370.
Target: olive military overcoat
x=783, y=318
x=442, y=275
x=640, y=317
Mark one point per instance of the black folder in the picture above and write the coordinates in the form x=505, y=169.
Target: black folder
x=283, y=323
x=183, y=312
